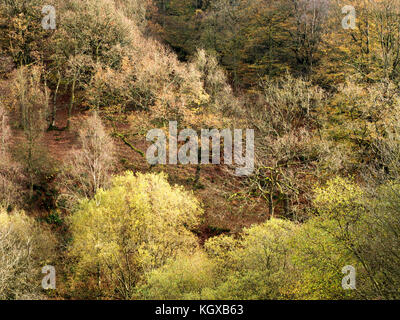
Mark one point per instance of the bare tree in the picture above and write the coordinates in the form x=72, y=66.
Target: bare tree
x=4, y=131
x=309, y=19
x=286, y=153
x=386, y=16
x=88, y=168
x=10, y=172
x=24, y=247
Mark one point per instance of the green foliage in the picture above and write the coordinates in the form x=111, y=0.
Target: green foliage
x=346, y=232
x=54, y=218
x=187, y=277
x=257, y=265
x=319, y=259
x=379, y=249
x=339, y=200
x=324, y=245
x=283, y=260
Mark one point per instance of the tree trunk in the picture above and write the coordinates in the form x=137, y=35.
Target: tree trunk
x=271, y=205
x=54, y=111
x=71, y=105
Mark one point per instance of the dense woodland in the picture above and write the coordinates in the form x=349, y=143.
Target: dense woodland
x=76, y=190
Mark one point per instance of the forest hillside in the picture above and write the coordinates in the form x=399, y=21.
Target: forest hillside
x=117, y=123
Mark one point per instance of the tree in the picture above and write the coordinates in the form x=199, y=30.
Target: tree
x=76, y=74
x=11, y=176
x=321, y=248
x=31, y=101
x=131, y=229
x=351, y=227
x=373, y=47
x=386, y=16
x=215, y=83
x=285, y=117
x=5, y=131
x=257, y=265
x=24, y=37
x=89, y=168
x=25, y=248
x=306, y=29
x=89, y=33
x=186, y=277
x=178, y=24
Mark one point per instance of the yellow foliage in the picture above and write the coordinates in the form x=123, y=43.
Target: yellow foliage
x=132, y=228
